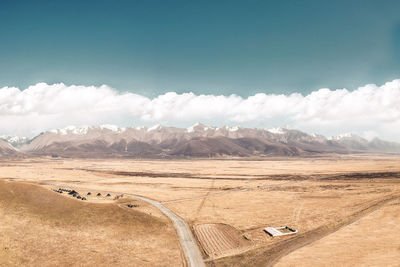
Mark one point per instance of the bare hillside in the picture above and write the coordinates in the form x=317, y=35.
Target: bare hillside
x=42, y=228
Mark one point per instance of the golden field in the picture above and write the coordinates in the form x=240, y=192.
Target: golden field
x=345, y=208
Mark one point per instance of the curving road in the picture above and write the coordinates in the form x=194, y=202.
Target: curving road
x=188, y=243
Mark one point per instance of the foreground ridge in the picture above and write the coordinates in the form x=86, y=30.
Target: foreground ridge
x=191, y=250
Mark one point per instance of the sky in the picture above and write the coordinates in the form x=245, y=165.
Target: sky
x=162, y=52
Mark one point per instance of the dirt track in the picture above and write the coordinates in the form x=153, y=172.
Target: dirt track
x=271, y=256
x=188, y=243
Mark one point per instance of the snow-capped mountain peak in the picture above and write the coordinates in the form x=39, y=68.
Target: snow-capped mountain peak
x=155, y=128
x=234, y=128
x=346, y=136
x=112, y=128
x=197, y=140
x=14, y=140
x=85, y=129
x=278, y=130
x=197, y=127
x=70, y=130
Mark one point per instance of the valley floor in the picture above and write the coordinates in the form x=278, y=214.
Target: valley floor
x=345, y=208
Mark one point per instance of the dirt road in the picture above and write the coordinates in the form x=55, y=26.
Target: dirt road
x=188, y=243
x=271, y=256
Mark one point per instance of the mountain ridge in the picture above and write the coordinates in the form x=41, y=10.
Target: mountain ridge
x=198, y=140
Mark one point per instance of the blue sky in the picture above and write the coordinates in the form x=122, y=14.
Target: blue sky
x=249, y=63
x=205, y=47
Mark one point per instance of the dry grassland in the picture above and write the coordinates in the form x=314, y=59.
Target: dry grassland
x=371, y=241
x=41, y=228
x=321, y=197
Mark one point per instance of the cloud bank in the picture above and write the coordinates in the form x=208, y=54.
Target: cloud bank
x=370, y=110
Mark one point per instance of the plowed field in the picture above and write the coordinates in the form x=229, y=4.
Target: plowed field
x=220, y=239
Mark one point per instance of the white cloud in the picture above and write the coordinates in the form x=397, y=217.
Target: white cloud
x=368, y=109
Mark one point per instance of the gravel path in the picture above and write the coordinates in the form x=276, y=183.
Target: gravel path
x=188, y=243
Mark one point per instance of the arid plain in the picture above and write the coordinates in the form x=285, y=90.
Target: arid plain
x=346, y=209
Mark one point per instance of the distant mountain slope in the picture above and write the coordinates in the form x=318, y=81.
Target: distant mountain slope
x=15, y=141
x=196, y=141
x=6, y=149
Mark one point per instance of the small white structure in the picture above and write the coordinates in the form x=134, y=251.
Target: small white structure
x=279, y=231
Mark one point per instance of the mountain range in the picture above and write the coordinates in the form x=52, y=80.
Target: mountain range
x=196, y=141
